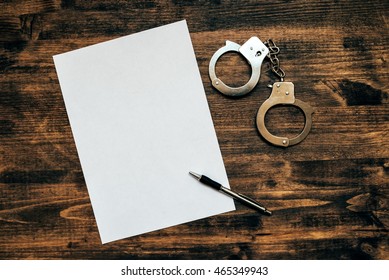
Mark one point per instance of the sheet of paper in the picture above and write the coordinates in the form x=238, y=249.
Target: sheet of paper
x=141, y=122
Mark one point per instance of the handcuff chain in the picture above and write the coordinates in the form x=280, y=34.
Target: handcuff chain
x=274, y=61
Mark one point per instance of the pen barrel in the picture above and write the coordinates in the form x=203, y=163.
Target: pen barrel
x=245, y=200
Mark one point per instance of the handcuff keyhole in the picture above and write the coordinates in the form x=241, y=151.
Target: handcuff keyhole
x=258, y=53
x=233, y=69
x=285, y=121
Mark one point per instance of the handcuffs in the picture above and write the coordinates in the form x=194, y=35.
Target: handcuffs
x=254, y=51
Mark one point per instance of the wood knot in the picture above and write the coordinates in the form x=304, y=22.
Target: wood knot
x=368, y=249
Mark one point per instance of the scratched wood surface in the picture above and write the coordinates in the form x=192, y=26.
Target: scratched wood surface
x=329, y=194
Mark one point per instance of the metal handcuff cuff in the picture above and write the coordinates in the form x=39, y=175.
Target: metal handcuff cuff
x=254, y=51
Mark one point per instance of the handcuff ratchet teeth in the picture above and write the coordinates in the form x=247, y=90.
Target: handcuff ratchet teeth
x=254, y=51
x=283, y=94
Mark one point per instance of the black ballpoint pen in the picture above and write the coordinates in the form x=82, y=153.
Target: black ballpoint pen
x=239, y=197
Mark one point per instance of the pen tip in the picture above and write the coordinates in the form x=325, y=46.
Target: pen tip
x=197, y=176
x=268, y=213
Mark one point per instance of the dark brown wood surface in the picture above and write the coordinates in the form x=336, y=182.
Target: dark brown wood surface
x=329, y=194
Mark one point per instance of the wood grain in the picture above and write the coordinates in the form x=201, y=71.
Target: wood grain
x=329, y=194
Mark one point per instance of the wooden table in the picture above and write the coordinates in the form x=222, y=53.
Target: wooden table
x=329, y=194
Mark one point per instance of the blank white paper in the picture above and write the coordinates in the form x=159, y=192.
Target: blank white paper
x=141, y=122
